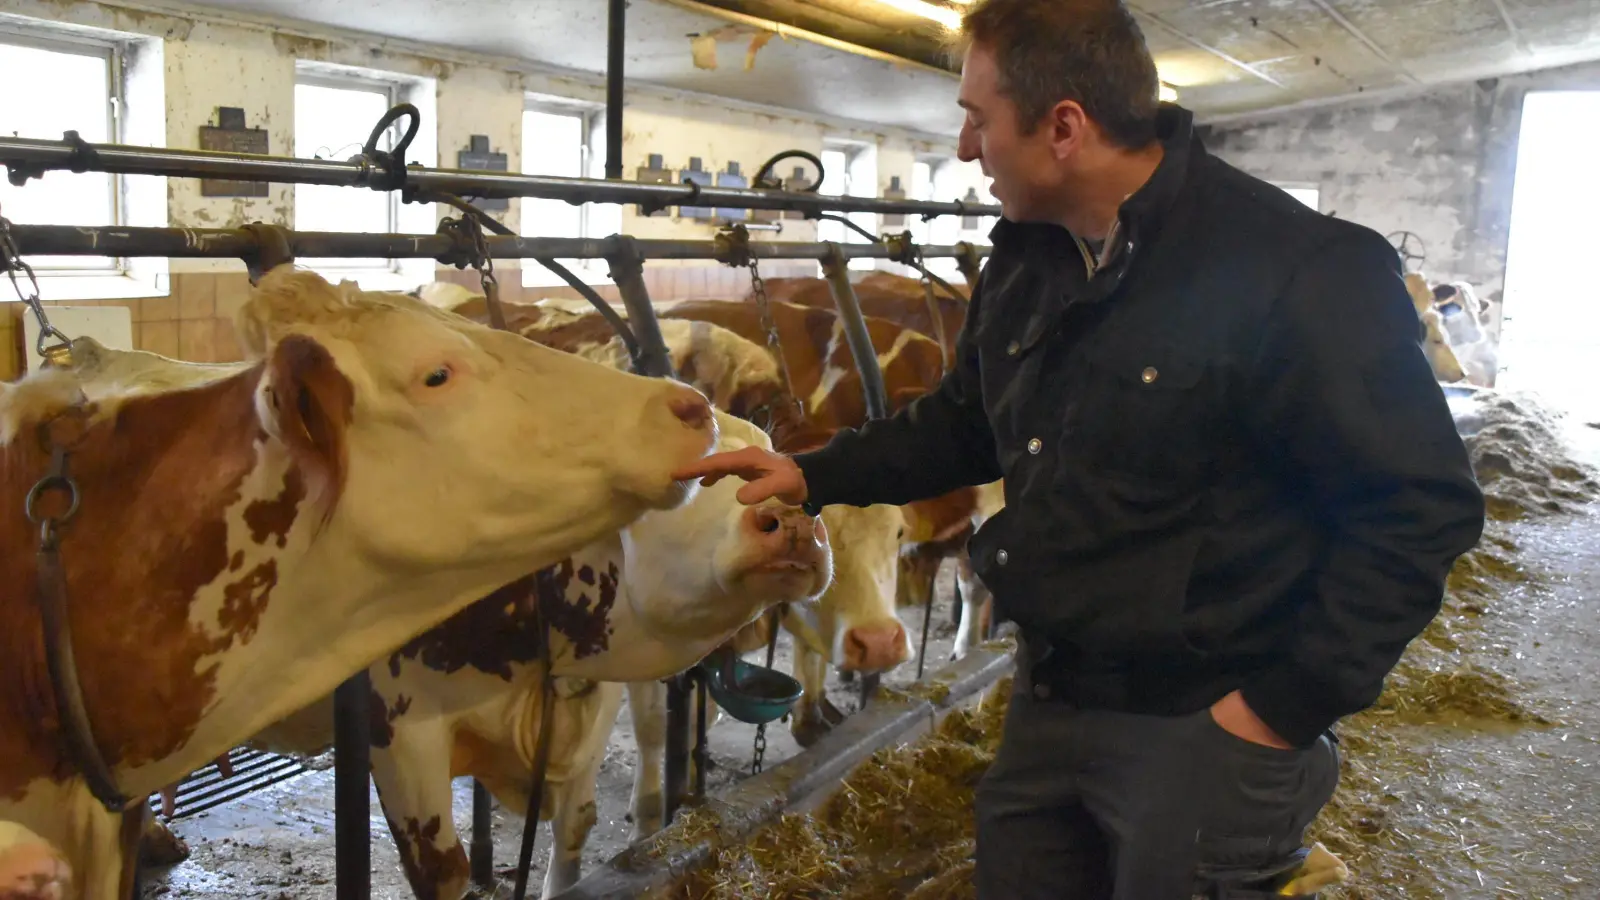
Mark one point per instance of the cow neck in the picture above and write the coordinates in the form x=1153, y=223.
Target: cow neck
x=157, y=477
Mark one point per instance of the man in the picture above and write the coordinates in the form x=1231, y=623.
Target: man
x=1233, y=486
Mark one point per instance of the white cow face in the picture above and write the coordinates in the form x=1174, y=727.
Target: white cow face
x=1446, y=367
x=715, y=564
x=448, y=445
x=854, y=624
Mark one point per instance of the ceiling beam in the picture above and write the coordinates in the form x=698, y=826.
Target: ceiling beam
x=916, y=45
x=1173, y=30
x=1511, y=27
x=1367, y=42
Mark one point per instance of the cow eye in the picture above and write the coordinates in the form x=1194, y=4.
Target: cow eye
x=437, y=377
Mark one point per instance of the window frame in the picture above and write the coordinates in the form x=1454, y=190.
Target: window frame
x=392, y=91
x=591, y=122
x=116, y=278
x=853, y=151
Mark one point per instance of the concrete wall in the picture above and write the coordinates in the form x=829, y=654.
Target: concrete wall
x=188, y=65
x=1440, y=164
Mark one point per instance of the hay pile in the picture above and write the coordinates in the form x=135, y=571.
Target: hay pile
x=1447, y=675
x=901, y=823
x=1519, y=456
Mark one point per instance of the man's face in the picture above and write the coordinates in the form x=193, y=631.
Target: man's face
x=1025, y=167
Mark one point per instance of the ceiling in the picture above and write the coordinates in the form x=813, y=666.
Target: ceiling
x=1225, y=57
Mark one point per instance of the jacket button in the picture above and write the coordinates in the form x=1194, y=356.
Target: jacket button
x=1149, y=374
x=1000, y=556
x=1041, y=691
x=1012, y=348
x=1035, y=445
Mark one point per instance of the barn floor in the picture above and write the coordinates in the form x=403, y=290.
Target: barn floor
x=277, y=844
x=1463, y=808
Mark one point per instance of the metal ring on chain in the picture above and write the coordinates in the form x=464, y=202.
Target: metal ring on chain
x=49, y=482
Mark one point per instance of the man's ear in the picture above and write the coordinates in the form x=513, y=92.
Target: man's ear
x=309, y=401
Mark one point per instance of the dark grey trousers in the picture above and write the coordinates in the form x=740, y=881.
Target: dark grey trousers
x=1096, y=805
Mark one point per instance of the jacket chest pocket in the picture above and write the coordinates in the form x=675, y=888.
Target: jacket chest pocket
x=1144, y=417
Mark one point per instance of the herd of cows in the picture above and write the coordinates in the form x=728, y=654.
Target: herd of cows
x=390, y=483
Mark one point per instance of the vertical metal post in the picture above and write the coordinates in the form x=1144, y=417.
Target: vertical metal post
x=352, y=803
x=702, y=748
x=859, y=338
x=482, y=850
x=616, y=28
x=676, y=777
x=627, y=270
x=967, y=261
x=855, y=333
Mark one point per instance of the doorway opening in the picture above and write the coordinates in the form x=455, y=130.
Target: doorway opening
x=1551, y=327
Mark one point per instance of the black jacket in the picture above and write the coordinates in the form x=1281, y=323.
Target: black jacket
x=1227, y=462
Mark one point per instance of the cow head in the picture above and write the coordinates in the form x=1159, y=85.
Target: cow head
x=854, y=624
x=435, y=442
x=713, y=565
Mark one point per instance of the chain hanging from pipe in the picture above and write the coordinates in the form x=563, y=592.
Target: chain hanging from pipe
x=733, y=248
x=59, y=354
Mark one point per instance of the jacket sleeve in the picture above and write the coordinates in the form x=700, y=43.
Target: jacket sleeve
x=937, y=443
x=1346, y=405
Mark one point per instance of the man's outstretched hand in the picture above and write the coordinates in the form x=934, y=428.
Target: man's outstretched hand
x=770, y=474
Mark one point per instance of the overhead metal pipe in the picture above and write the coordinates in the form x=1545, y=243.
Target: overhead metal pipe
x=34, y=156
x=222, y=243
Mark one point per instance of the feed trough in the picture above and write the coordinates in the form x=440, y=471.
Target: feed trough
x=659, y=866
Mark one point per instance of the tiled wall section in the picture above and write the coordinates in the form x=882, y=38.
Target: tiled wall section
x=195, y=322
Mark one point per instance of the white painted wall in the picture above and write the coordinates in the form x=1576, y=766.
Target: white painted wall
x=211, y=59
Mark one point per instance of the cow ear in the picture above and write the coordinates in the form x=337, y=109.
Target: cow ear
x=308, y=401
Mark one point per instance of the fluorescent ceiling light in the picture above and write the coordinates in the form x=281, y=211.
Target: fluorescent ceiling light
x=944, y=15
x=1169, y=94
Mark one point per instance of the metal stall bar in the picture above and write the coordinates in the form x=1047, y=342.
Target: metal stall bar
x=352, y=784
x=214, y=243
x=874, y=394
x=616, y=30
x=31, y=157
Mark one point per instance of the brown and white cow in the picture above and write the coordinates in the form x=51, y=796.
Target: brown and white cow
x=246, y=543
x=464, y=698
x=941, y=526
x=882, y=295
x=854, y=626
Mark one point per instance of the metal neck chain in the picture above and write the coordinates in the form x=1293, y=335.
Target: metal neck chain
x=778, y=613
x=60, y=353
x=770, y=326
x=936, y=318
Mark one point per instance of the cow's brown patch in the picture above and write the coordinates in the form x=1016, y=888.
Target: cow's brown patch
x=381, y=717
x=429, y=868
x=245, y=600
x=274, y=518
x=502, y=629
x=156, y=478
x=312, y=400
x=491, y=635
x=584, y=620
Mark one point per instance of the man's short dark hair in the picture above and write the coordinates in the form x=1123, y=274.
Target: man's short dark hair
x=1089, y=51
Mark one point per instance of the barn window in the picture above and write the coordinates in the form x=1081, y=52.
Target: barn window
x=851, y=170
x=565, y=140
x=84, y=95
x=332, y=116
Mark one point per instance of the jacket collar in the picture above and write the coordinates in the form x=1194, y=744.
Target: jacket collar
x=1142, y=213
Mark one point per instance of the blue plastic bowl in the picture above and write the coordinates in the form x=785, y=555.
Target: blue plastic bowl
x=758, y=695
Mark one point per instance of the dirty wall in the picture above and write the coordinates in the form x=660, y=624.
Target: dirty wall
x=182, y=67
x=1440, y=164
